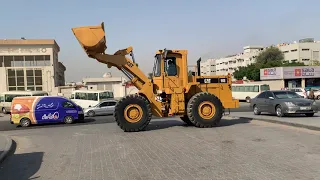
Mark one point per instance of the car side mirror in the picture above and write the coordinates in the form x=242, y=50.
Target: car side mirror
x=271, y=98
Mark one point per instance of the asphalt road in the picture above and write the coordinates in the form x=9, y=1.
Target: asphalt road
x=238, y=149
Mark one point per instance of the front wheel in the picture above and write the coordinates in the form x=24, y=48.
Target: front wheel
x=256, y=110
x=133, y=113
x=204, y=110
x=279, y=111
x=68, y=120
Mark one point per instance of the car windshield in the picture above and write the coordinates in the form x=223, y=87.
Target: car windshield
x=286, y=95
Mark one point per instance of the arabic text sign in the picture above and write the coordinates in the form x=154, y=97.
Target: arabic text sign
x=301, y=72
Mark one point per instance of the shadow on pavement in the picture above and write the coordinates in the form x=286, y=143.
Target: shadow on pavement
x=163, y=124
x=287, y=115
x=21, y=166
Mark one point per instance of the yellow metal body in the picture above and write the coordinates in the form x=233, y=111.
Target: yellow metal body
x=179, y=87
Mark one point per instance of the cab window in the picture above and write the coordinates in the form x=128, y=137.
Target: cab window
x=67, y=104
x=170, y=66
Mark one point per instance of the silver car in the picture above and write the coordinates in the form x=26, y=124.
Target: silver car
x=282, y=103
x=105, y=107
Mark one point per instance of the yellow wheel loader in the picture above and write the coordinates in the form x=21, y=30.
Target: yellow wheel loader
x=198, y=100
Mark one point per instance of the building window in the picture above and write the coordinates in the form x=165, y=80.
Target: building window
x=15, y=79
x=22, y=61
x=285, y=51
x=305, y=59
x=293, y=50
x=8, y=61
x=1, y=61
x=305, y=49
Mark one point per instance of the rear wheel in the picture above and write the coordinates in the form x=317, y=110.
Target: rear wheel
x=25, y=122
x=133, y=113
x=4, y=111
x=186, y=120
x=204, y=110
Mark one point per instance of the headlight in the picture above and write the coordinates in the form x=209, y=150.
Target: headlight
x=290, y=104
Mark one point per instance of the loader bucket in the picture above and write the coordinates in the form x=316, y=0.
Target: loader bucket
x=91, y=38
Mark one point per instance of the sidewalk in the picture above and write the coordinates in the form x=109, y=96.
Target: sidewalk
x=297, y=121
x=5, y=146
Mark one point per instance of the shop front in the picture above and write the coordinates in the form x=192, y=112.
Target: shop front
x=293, y=77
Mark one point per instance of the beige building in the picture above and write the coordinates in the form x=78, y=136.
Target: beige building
x=30, y=65
x=305, y=51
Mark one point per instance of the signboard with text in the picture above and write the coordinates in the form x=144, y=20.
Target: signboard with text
x=290, y=72
x=301, y=72
x=271, y=73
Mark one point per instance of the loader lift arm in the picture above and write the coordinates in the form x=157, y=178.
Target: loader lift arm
x=92, y=39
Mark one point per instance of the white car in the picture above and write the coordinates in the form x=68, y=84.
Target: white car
x=300, y=91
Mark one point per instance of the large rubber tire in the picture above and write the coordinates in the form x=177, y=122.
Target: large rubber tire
x=123, y=120
x=194, y=116
x=187, y=120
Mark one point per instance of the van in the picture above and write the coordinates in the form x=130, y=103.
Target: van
x=44, y=109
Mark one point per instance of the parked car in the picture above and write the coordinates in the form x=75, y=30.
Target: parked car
x=301, y=91
x=283, y=102
x=102, y=108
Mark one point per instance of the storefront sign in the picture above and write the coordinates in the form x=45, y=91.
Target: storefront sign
x=271, y=73
x=301, y=72
x=290, y=72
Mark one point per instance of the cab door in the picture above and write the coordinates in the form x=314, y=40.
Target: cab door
x=171, y=69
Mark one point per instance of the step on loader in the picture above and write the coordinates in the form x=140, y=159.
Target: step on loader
x=198, y=100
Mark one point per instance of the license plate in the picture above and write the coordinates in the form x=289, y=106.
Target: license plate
x=305, y=108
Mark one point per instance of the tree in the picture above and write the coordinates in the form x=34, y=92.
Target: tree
x=293, y=64
x=315, y=63
x=271, y=57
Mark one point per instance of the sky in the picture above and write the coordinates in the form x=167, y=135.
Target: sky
x=206, y=28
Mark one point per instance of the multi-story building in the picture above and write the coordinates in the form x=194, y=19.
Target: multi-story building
x=229, y=64
x=30, y=65
x=306, y=51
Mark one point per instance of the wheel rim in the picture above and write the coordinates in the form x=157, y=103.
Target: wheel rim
x=4, y=110
x=255, y=110
x=133, y=113
x=279, y=111
x=25, y=123
x=91, y=113
x=68, y=119
x=206, y=110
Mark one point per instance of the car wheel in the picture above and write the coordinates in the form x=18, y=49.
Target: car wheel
x=4, y=111
x=279, y=111
x=25, y=122
x=68, y=120
x=318, y=97
x=256, y=110
x=309, y=114
x=91, y=113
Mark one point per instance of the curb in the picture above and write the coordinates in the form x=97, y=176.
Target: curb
x=282, y=122
x=7, y=149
